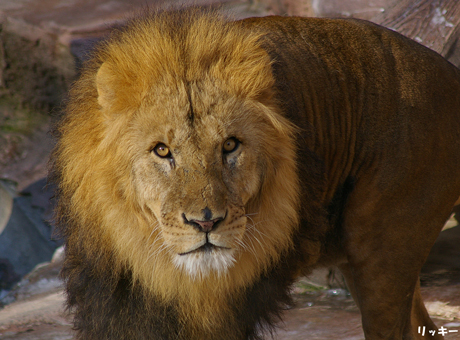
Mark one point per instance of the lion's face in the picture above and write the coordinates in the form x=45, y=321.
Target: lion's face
x=196, y=168
x=190, y=165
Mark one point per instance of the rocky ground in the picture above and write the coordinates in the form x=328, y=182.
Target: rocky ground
x=34, y=308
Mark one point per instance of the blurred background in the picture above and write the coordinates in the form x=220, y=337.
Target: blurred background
x=42, y=46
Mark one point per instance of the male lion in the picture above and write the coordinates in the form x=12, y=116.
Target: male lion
x=203, y=165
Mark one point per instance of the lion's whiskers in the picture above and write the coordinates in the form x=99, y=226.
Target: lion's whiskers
x=153, y=245
x=155, y=227
x=157, y=251
x=251, y=227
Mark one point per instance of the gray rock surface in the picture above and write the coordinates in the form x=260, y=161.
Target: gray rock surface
x=25, y=238
x=7, y=192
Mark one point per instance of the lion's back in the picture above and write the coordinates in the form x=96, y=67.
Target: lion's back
x=358, y=90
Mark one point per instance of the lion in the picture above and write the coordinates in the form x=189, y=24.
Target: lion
x=203, y=165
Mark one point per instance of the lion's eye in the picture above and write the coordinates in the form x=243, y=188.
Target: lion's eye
x=161, y=150
x=231, y=145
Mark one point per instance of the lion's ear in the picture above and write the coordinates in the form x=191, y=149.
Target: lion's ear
x=104, y=85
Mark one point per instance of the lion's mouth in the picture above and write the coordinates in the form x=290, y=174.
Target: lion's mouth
x=205, y=248
x=204, y=258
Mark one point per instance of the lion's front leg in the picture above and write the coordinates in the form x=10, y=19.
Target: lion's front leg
x=407, y=320
x=386, y=244
x=420, y=317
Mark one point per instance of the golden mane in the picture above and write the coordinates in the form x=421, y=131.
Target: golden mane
x=97, y=202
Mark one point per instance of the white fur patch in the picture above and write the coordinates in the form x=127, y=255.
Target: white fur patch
x=202, y=263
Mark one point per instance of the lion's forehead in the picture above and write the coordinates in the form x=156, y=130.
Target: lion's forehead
x=186, y=99
x=199, y=129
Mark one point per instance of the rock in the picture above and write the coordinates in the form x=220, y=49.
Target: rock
x=26, y=238
x=8, y=276
x=442, y=310
x=41, y=309
x=7, y=192
x=43, y=279
x=36, y=305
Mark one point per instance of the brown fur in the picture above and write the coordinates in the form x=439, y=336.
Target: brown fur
x=347, y=130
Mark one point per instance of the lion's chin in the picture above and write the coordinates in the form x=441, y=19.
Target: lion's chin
x=203, y=261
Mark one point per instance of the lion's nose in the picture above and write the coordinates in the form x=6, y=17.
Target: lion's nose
x=207, y=224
